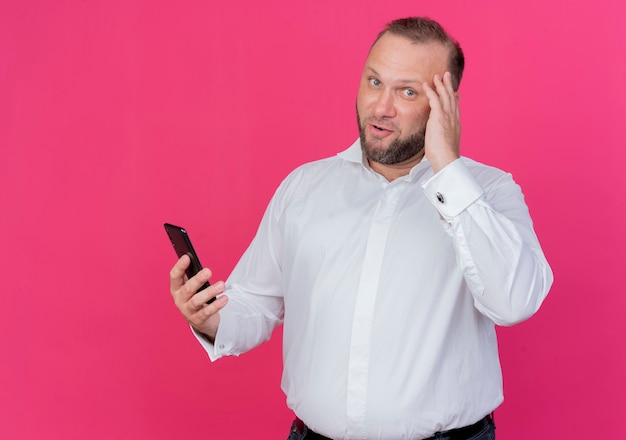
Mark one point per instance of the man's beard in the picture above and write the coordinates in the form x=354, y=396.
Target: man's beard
x=400, y=150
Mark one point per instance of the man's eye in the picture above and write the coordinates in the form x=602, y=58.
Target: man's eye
x=375, y=82
x=409, y=92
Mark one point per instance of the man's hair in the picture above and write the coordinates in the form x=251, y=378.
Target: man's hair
x=424, y=30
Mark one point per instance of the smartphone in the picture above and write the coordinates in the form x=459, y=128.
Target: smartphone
x=182, y=245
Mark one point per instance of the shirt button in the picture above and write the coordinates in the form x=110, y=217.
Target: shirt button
x=440, y=197
x=222, y=346
x=459, y=240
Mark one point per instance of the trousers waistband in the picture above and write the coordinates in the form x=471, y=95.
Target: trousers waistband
x=310, y=435
x=463, y=433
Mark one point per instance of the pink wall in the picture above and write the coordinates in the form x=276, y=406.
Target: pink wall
x=117, y=116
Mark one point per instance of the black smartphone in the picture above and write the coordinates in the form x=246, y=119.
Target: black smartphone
x=182, y=245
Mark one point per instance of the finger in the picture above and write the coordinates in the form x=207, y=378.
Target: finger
x=194, y=283
x=433, y=98
x=200, y=316
x=447, y=82
x=177, y=273
x=200, y=299
x=442, y=92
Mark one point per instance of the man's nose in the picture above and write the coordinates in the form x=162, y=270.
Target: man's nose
x=385, y=104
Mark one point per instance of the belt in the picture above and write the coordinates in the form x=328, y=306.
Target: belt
x=310, y=435
x=463, y=433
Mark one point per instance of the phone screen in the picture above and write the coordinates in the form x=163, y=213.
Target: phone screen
x=182, y=245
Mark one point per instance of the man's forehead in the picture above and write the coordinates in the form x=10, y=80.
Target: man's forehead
x=400, y=52
x=390, y=40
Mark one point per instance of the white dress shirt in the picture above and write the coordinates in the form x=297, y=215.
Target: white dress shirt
x=389, y=293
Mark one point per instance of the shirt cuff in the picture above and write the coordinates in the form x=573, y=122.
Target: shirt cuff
x=226, y=333
x=452, y=189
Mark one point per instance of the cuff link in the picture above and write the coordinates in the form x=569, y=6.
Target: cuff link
x=440, y=197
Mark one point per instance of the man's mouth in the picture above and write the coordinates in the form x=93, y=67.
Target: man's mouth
x=380, y=130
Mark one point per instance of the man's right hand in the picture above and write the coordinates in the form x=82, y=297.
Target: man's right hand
x=203, y=317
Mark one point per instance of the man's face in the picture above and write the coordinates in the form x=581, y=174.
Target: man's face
x=392, y=108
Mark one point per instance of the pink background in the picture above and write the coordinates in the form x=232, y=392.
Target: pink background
x=116, y=116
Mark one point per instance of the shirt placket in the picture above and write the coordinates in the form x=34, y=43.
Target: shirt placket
x=360, y=342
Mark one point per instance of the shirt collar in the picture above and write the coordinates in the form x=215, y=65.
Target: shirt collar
x=354, y=154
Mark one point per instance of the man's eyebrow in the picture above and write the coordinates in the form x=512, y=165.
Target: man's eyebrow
x=400, y=81
x=371, y=69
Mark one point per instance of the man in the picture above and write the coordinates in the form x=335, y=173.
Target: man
x=389, y=263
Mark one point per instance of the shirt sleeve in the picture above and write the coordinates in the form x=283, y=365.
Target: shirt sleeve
x=496, y=246
x=254, y=288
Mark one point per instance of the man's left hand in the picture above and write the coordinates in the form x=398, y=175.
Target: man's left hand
x=443, y=129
